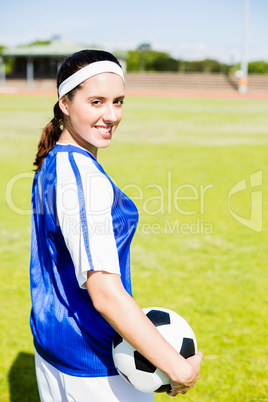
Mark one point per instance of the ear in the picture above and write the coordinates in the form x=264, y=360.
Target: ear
x=63, y=104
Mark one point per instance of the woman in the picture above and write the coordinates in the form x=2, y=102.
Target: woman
x=82, y=227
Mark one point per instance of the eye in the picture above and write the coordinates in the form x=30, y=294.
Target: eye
x=119, y=101
x=96, y=102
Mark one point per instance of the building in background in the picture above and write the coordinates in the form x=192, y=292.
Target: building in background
x=39, y=61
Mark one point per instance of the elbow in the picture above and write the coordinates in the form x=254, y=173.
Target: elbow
x=105, y=291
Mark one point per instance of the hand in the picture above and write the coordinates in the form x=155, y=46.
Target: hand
x=189, y=377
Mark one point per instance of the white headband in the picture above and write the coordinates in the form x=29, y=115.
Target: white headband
x=95, y=68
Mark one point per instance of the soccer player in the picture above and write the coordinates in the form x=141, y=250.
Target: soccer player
x=82, y=227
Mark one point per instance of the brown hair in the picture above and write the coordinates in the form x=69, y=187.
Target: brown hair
x=53, y=130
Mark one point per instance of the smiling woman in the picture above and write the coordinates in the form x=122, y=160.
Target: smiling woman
x=73, y=77
x=82, y=228
x=94, y=114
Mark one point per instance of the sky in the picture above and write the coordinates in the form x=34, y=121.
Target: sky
x=186, y=29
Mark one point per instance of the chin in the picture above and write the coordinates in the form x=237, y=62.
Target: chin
x=104, y=144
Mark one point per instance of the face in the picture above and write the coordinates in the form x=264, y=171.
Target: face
x=96, y=109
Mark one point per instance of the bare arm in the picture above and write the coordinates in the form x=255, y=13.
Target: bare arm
x=123, y=313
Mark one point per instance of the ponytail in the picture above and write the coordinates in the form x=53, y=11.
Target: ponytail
x=49, y=137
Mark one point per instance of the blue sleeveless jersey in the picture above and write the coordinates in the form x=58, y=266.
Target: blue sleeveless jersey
x=81, y=221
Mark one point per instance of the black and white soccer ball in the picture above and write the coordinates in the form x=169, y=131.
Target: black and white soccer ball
x=137, y=370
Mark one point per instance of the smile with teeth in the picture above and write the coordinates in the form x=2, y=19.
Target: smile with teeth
x=105, y=130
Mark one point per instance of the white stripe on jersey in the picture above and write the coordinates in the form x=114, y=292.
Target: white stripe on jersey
x=86, y=240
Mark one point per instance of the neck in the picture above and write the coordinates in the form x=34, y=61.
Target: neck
x=69, y=131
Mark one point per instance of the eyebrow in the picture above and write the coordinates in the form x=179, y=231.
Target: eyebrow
x=103, y=97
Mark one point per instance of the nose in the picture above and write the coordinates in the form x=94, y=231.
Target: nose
x=110, y=114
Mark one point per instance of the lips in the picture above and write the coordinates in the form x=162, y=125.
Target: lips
x=105, y=131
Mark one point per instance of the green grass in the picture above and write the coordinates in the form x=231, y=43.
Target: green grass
x=190, y=255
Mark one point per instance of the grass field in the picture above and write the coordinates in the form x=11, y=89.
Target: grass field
x=200, y=249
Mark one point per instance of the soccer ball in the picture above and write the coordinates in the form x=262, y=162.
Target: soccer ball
x=137, y=370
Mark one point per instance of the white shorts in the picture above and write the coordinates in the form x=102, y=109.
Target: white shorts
x=55, y=386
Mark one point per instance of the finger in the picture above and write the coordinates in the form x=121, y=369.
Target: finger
x=198, y=356
x=171, y=393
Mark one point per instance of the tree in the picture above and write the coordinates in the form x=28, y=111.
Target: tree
x=2, y=47
x=9, y=61
x=144, y=47
x=146, y=59
x=166, y=64
x=258, y=67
